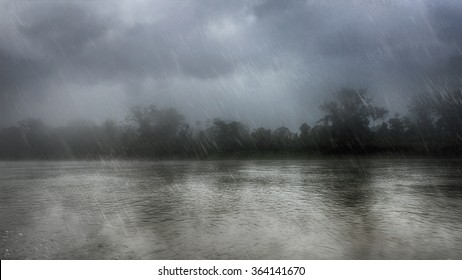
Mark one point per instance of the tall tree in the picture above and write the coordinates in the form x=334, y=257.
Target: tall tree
x=157, y=129
x=449, y=110
x=349, y=116
x=261, y=139
x=305, y=137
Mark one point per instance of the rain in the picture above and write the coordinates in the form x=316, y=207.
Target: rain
x=231, y=129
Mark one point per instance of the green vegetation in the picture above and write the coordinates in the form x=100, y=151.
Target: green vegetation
x=352, y=124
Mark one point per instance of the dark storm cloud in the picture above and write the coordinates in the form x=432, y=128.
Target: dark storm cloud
x=20, y=79
x=455, y=65
x=63, y=29
x=447, y=20
x=205, y=65
x=36, y=42
x=252, y=60
x=290, y=24
x=110, y=48
x=347, y=42
x=16, y=71
x=274, y=7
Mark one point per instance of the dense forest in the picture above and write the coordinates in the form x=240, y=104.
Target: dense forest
x=352, y=124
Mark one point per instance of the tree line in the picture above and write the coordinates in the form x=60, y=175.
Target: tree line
x=352, y=123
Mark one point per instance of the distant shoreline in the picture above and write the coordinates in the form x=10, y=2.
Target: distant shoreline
x=251, y=157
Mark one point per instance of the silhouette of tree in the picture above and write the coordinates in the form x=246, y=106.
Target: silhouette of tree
x=423, y=112
x=229, y=136
x=448, y=107
x=305, y=138
x=350, y=125
x=377, y=113
x=156, y=130
x=348, y=116
x=13, y=143
x=282, y=139
x=261, y=139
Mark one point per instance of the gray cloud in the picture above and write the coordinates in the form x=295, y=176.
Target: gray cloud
x=264, y=62
x=62, y=29
x=20, y=79
x=447, y=20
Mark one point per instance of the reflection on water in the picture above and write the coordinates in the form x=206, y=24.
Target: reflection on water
x=308, y=209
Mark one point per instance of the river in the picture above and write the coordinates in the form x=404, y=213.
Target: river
x=336, y=208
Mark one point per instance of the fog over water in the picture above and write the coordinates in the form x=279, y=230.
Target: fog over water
x=264, y=63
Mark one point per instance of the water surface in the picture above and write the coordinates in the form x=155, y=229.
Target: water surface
x=282, y=209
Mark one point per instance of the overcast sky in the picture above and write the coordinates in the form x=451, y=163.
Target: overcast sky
x=265, y=63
